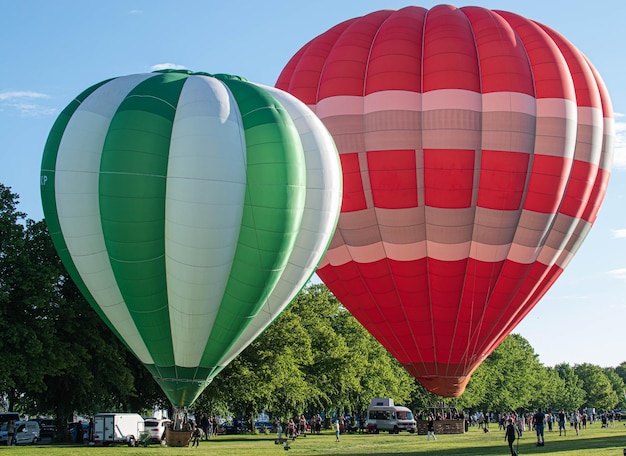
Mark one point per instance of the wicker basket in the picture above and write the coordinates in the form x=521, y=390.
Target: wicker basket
x=177, y=438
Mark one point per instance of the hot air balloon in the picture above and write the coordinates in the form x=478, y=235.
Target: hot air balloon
x=189, y=209
x=476, y=148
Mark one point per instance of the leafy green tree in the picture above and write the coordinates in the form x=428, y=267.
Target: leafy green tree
x=621, y=371
x=571, y=394
x=511, y=378
x=618, y=386
x=382, y=376
x=326, y=375
x=422, y=399
x=350, y=367
x=25, y=292
x=475, y=395
x=600, y=393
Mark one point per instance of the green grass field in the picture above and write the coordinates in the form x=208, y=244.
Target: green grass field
x=594, y=441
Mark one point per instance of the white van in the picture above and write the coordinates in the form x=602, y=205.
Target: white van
x=115, y=428
x=384, y=415
x=25, y=432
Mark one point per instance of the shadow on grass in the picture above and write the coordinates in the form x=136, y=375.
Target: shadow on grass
x=240, y=438
x=580, y=445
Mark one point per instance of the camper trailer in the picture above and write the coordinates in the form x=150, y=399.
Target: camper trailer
x=384, y=415
x=117, y=428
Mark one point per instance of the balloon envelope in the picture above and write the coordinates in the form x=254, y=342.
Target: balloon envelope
x=189, y=209
x=476, y=147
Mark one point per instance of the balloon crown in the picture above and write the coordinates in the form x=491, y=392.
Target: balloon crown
x=221, y=76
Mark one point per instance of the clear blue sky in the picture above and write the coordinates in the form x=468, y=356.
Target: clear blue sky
x=52, y=50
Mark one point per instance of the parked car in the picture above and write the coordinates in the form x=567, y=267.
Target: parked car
x=25, y=432
x=220, y=429
x=71, y=429
x=229, y=428
x=263, y=426
x=47, y=427
x=156, y=428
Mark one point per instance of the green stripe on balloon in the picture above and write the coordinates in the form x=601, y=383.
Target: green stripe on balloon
x=48, y=197
x=275, y=194
x=133, y=173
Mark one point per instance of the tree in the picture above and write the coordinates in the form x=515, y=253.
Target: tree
x=618, y=386
x=511, y=378
x=600, y=393
x=25, y=291
x=350, y=367
x=570, y=393
x=475, y=395
x=621, y=371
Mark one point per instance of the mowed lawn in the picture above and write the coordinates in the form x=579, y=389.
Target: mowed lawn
x=594, y=441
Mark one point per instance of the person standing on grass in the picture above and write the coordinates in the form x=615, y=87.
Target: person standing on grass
x=550, y=419
x=562, y=428
x=539, y=419
x=204, y=424
x=510, y=435
x=279, y=430
x=196, y=435
x=521, y=425
x=10, y=432
x=431, y=427
x=337, y=429
x=79, y=432
x=576, y=420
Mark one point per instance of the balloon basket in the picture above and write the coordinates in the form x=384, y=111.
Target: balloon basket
x=177, y=438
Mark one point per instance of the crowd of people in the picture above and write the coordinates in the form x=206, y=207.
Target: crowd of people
x=209, y=426
x=524, y=421
x=299, y=426
x=514, y=425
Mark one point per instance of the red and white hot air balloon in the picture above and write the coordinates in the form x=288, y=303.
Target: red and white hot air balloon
x=476, y=148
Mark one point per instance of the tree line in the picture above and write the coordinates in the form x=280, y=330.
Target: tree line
x=60, y=359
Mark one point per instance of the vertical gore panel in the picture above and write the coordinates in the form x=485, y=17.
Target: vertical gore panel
x=48, y=197
x=132, y=201
x=276, y=185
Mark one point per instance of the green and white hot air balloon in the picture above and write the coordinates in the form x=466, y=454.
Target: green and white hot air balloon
x=189, y=209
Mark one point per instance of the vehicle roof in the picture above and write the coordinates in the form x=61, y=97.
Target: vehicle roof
x=118, y=413
x=387, y=407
